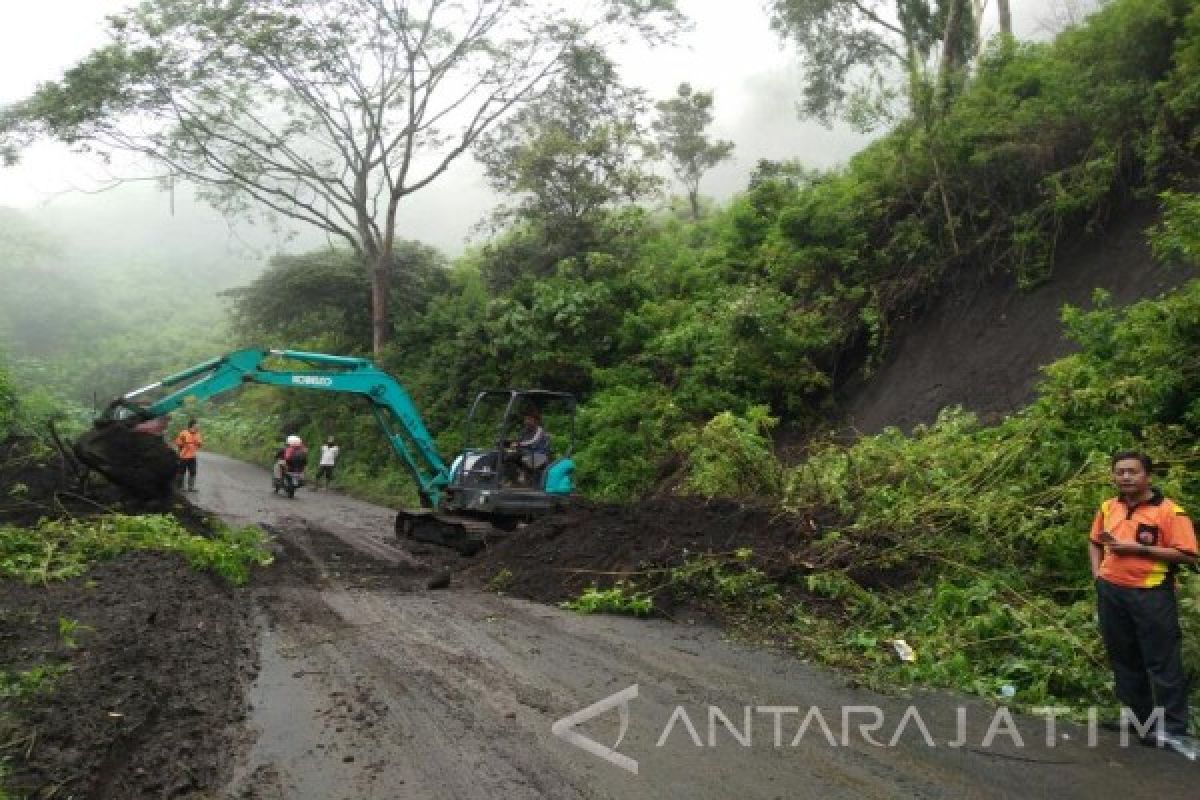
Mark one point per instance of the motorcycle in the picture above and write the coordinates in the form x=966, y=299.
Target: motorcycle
x=285, y=480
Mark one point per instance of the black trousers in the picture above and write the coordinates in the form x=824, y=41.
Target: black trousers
x=1145, y=648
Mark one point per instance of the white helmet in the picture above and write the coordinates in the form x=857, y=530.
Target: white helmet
x=294, y=441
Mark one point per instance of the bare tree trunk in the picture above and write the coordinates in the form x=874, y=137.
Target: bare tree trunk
x=694, y=200
x=952, y=40
x=941, y=184
x=953, y=53
x=381, y=274
x=977, y=9
x=1004, y=11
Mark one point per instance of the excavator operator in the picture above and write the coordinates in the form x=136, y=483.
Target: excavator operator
x=530, y=452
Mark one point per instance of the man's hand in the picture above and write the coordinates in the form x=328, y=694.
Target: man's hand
x=1127, y=548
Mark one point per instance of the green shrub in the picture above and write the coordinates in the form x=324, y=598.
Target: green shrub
x=728, y=580
x=987, y=525
x=731, y=456
x=619, y=599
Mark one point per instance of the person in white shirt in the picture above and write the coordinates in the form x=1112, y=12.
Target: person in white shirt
x=329, y=456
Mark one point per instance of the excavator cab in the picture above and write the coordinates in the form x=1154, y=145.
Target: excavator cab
x=495, y=474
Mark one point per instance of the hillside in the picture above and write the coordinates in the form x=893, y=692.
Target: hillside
x=983, y=342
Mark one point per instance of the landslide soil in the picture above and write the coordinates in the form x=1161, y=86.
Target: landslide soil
x=151, y=656
x=337, y=673
x=602, y=545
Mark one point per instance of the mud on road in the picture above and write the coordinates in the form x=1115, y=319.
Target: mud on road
x=369, y=685
x=336, y=673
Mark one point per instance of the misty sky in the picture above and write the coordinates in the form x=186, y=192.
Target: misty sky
x=730, y=51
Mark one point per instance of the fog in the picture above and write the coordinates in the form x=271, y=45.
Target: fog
x=755, y=77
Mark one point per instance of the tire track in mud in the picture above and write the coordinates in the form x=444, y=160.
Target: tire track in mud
x=371, y=686
x=387, y=719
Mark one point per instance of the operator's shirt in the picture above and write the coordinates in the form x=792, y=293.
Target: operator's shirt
x=1158, y=522
x=189, y=443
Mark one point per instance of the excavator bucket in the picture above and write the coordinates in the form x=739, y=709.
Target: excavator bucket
x=140, y=463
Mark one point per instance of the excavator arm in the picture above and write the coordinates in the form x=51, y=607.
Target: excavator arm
x=393, y=408
x=464, y=507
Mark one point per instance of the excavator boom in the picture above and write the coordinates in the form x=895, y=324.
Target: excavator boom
x=129, y=458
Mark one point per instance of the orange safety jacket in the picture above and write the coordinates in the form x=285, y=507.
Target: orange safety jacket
x=1158, y=522
x=189, y=443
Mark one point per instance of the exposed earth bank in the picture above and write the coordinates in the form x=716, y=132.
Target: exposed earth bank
x=982, y=343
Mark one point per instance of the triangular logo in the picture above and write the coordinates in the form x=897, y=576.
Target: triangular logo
x=564, y=728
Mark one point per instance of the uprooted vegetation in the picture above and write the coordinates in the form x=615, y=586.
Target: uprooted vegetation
x=120, y=638
x=964, y=540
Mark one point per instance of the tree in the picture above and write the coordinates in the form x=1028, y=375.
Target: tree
x=1004, y=12
x=320, y=299
x=1057, y=16
x=853, y=48
x=328, y=112
x=570, y=156
x=680, y=126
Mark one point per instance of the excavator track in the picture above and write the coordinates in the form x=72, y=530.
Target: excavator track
x=468, y=535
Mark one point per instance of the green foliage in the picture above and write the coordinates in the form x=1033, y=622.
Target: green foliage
x=322, y=298
x=62, y=549
x=626, y=433
x=851, y=51
x=731, y=456
x=988, y=524
x=80, y=321
x=500, y=581
x=569, y=157
x=619, y=599
x=32, y=682
x=8, y=403
x=1177, y=237
x=69, y=631
x=729, y=580
x=660, y=324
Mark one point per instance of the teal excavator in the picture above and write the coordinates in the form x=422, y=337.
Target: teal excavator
x=471, y=501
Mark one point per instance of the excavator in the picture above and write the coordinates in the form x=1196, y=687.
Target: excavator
x=472, y=501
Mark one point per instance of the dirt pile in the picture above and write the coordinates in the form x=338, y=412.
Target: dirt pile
x=148, y=652
x=140, y=657
x=558, y=556
x=36, y=481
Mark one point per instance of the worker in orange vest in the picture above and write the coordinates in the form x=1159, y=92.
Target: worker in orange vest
x=1139, y=540
x=188, y=442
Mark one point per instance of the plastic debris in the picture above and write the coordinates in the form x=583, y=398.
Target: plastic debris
x=904, y=651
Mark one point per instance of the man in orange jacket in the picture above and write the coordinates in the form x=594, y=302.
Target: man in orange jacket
x=188, y=442
x=1139, y=539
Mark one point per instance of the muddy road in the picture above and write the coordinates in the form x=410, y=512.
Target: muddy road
x=370, y=685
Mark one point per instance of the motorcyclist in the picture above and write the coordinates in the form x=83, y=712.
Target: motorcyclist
x=294, y=458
